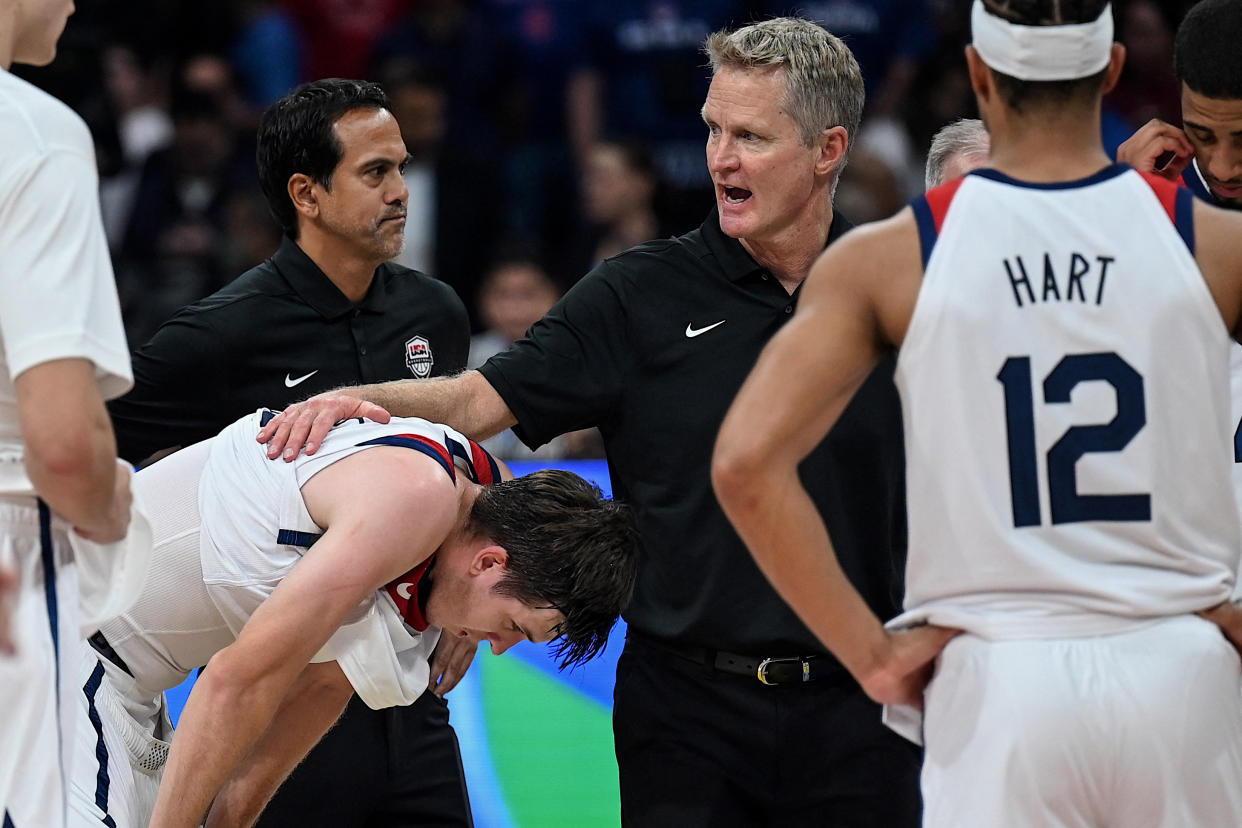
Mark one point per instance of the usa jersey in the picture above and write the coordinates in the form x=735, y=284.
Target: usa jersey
x=1065, y=382
x=229, y=525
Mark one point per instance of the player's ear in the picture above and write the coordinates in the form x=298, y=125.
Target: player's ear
x=487, y=557
x=980, y=79
x=1116, y=61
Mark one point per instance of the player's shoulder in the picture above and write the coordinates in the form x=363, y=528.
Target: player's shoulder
x=34, y=124
x=873, y=257
x=1217, y=232
x=878, y=238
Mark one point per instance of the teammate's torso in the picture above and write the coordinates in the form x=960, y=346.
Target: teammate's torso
x=57, y=296
x=1064, y=382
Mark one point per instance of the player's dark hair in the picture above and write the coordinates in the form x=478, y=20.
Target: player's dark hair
x=297, y=135
x=1018, y=93
x=1207, y=52
x=569, y=548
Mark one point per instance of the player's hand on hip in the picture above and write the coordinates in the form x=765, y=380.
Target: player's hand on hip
x=115, y=524
x=1154, y=141
x=452, y=658
x=305, y=424
x=9, y=582
x=907, y=666
x=1227, y=616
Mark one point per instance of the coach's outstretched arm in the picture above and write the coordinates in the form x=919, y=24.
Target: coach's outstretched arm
x=804, y=379
x=466, y=402
x=384, y=511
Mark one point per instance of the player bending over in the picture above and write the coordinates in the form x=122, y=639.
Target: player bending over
x=300, y=584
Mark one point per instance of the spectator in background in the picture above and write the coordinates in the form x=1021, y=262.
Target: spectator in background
x=340, y=36
x=268, y=53
x=646, y=79
x=515, y=294
x=328, y=309
x=1147, y=88
x=889, y=38
x=619, y=187
x=957, y=149
x=211, y=74
x=136, y=81
x=454, y=210
x=171, y=252
x=542, y=52
x=456, y=46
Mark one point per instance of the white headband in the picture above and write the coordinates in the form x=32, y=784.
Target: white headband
x=1042, y=53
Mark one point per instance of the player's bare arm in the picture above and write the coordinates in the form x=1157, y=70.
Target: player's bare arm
x=70, y=448
x=1227, y=616
x=855, y=303
x=467, y=402
x=1218, y=252
x=1154, y=140
x=9, y=583
x=384, y=510
x=314, y=703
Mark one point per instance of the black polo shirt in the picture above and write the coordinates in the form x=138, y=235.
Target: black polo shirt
x=279, y=333
x=652, y=346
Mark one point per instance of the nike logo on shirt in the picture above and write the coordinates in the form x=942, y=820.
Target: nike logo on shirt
x=692, y=332
x=289, y=383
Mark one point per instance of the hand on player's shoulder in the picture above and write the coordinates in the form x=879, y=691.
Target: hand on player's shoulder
x=303, y=425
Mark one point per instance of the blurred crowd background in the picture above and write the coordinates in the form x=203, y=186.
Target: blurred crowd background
x=545, y=134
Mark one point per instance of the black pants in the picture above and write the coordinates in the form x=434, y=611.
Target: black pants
x=698, y=747
x=378, y=768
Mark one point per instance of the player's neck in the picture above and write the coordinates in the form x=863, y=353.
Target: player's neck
x=1047, y=146
x=8, y=30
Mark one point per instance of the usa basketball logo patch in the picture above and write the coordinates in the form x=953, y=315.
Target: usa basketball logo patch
x=418, y=356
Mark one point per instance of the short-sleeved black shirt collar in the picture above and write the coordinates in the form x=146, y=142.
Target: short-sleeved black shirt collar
x=732, y=257
x=318, y=291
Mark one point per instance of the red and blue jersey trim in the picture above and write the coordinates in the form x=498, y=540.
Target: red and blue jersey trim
x=418, y=442
x=930, y=210
x=480, y=466
x=1178, y=203
x=408, y=604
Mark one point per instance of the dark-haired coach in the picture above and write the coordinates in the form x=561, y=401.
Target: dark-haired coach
x=326, y=310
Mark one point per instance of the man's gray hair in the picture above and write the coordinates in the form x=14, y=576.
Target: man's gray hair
x=965, y=136
x=823, y=84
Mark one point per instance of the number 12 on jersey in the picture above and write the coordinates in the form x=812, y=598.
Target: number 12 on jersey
x=1066, y=504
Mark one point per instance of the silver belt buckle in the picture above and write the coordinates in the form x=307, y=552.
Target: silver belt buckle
x=762, y=672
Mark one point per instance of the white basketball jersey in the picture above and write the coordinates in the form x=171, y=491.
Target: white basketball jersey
x=1235, y=383
x=1065, y=383
x=229, y=524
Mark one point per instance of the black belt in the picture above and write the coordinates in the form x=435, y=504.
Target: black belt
x=102, y=647
x=772, y=670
